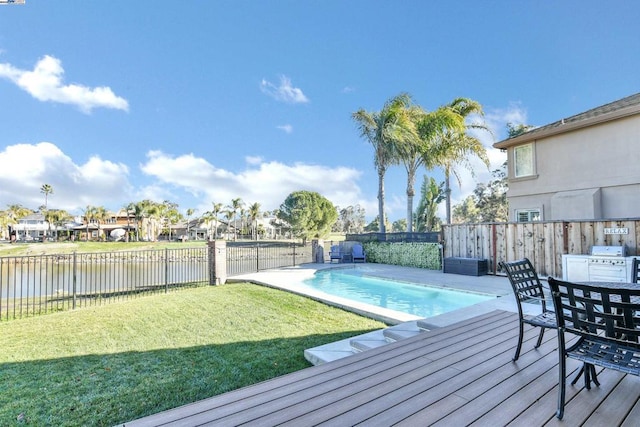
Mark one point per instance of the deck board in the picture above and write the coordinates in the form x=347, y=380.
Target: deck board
x=457, y=375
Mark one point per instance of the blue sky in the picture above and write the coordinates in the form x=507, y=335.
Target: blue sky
x=205, y=101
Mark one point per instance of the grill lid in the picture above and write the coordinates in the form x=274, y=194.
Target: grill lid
x=608, y=251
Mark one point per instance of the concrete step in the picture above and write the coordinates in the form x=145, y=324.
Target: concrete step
x=344, y=348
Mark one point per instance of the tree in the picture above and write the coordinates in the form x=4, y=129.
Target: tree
x=514, y=130
x=455, y=146
x=189, y=212
x=399, y=225
x=309, y=214
x=488, y=203
x=46, y=189
x=350, y=220
x=384, y=130
x=421, y=149
x=254, y=214
x=431, y=195
x=89, y=215
x=236, y=205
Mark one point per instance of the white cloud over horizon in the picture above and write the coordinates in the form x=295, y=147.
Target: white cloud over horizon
x=265, y=182
x=285, y=92
x=95, y=182
x=45, y=83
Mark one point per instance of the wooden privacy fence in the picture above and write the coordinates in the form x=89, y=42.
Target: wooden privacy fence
x=543, y=242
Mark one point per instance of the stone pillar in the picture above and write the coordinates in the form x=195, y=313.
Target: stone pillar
x=317, y=251
x=217, y=262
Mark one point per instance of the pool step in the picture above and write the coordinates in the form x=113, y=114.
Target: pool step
x=339, y=349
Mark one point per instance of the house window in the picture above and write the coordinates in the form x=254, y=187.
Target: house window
x=528, y=215
x=523, y=160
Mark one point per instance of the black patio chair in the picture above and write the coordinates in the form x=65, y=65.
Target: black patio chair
x=635, y=270
x=607, y=321
x=526, y=288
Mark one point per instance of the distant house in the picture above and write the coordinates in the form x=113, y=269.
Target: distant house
x=121, y=220
x=581, y=167
x=32, y=227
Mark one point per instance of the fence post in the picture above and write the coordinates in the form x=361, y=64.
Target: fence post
x=217, y=262
x=257, y=257
x=166, y=270
x=294, y=253
x=75, y=267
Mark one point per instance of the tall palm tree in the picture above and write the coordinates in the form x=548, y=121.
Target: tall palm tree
x=254, y=214
x=384, y=130
x=138, y=210
x=417, y=149
x=190, y=211
x=46, y=189
x=89, y=215
x=236, y=205
x=217, y=209
x=229, y=215
x=456, y=146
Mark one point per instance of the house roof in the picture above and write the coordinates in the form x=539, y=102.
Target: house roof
x=621, y=108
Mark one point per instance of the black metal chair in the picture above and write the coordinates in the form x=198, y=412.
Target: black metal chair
x=607, y=322
x=527, y=287
x=635, y=271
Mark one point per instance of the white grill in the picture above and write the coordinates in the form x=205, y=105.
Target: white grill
x=608, y=264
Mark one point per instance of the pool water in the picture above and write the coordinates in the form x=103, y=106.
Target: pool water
x=418, y=300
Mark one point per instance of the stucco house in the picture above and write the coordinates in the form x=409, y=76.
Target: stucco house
x=581, y=167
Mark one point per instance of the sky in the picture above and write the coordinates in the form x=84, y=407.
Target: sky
x=204, y=101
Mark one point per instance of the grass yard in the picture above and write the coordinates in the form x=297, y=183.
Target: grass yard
x=110, y=364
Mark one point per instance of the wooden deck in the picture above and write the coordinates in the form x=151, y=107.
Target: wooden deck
x=457, y=375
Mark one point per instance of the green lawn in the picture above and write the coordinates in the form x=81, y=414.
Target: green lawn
x=48, y=248
x=110, y=364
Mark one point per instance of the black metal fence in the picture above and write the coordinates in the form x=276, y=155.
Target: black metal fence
x=39, y=284
x=251, y=257
x=32, y=285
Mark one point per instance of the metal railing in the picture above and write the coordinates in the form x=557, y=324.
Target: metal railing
x=251, y=257
x=38, y=284
x=32, y=285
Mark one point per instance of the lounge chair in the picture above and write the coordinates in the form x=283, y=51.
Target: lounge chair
x=335, y=253
x=358, y=254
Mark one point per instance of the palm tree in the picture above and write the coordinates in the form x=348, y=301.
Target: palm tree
x=236, y=204
x=138, y=210
x=89, y=216
x=217, y=208
x=46, y=189
x=229, y=215
x=455, y=146
x=189, y=212
x=254, y=213
x=385, y=129
x=416, y=150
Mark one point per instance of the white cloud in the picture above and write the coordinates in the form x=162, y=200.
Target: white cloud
x=348, y=89
x=268, y=183
x=285, y=92
x=45, y=84
x=26, y=167
x=286, y=128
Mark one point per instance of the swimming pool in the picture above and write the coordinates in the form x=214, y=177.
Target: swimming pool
x=418, y=300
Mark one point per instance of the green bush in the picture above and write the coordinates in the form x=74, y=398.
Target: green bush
x=421, y=255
